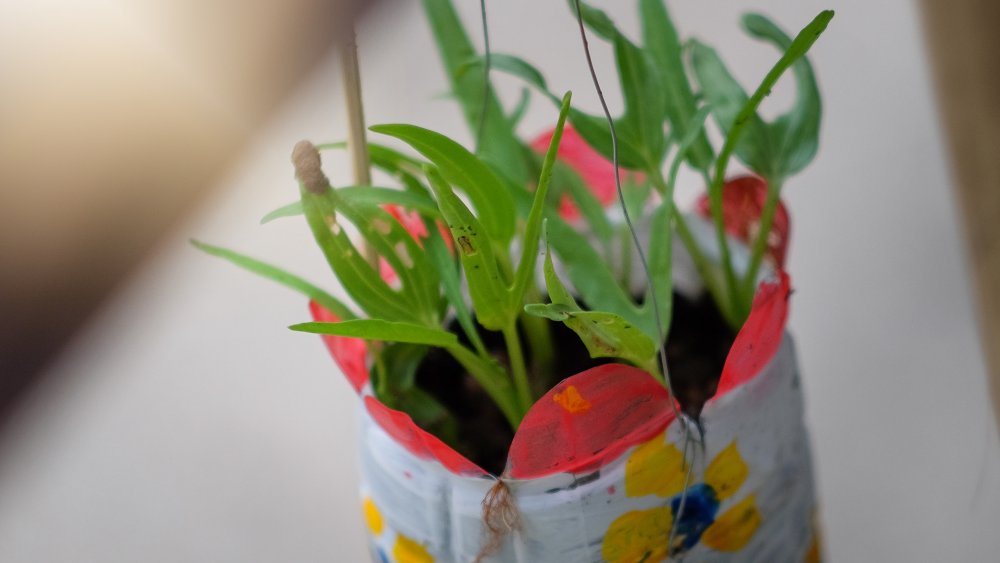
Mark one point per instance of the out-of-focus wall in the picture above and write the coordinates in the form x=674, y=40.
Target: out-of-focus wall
x=189, y=425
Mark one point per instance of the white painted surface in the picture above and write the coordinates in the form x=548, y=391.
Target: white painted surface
x=189, y=425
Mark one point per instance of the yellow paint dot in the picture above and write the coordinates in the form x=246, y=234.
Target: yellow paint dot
x=639, y=535
x=372, y=516
x=409, y=551
x=733, y=530
x=815, y=552
x=655, y=468
x=572, y=400
x=727, y=472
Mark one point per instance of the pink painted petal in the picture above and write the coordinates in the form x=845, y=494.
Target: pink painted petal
x=597, y=172
x=742, y=204
x=417, y=441
x=349, y=353
x=760, y=337
x=414, y=224
x=588, y=420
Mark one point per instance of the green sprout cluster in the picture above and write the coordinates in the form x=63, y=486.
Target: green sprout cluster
x=499, y=206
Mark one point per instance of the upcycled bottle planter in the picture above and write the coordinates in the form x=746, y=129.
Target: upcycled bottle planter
x=601, y=470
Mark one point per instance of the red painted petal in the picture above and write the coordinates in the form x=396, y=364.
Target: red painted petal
x=349, y=353
x=417, y=441
x=410, y=220
x=588, y=420
x=743, y=200
x=760, y=337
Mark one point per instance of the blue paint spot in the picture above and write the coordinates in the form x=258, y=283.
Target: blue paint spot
x=378, y=556
x=700, y=507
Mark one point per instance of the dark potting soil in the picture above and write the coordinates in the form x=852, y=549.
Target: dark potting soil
x=697, y=346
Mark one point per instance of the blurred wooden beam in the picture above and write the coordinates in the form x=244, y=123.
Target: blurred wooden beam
x=965, y=49
x=117, y=118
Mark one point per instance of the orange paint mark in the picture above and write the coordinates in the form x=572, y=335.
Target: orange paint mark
x=572, y=401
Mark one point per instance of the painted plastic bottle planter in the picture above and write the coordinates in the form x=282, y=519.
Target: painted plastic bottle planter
x=598, y=469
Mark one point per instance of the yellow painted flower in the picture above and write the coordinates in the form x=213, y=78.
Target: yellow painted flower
x=409, y=551
x=658, y=468
x=372, y=516
x=655, y=468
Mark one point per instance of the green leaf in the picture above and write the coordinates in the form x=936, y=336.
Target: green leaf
x=660, y=263
x=727, y=98
x=640, y=128
x=533, y=229
x=511, y=65
x=796, y=132
x=596, y=20
x=459, y=166
x=290, y=210
x=588, y=271
x=566, y=180
x=642, y=91
x=377, y=329
x=521, y=108
x=663, y=45
x=594, y=129
x=606, y=335
x=392, y=242
x=367, y=195
x=400, y=362
x=358, y=278
x=375, y=196
x=499, y=140
x=429, y=414
x=284, y=278
x=636, y=195
x=450, y=282
x=552, y=311
x=475, y=250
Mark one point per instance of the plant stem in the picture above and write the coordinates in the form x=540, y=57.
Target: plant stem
x=715, y=187
x=705, y=270
x=539, y=336
x=626, y=257
x=517, y=366
x=701, y=263
x=760, y=243
x=493, y=381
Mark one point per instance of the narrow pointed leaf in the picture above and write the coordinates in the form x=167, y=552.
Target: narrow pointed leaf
x=450, y=282
x=588, y=271
x=377, y=329
x=727, y=98
x=499, y=140
x=664, y=46
x=533, y=229
x=289, y=210
x=292, y=281
x=462, y=168
x=796, y=132
x=606, y=335
x=365, y=286
x=366, y=195
x=486, y=284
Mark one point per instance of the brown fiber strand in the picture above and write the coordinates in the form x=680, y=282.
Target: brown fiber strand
x=500, y=517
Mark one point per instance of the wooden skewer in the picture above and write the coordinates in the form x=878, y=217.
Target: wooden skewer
x=357, y=145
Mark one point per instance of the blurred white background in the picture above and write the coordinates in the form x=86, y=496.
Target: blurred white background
x=188, y=424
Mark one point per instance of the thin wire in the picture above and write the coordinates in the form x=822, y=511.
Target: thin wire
x=484, y=109
x=628, y=220
x=687, y=483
